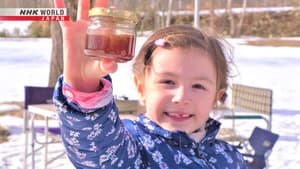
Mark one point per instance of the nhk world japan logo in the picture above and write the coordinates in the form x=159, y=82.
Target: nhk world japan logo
x=34, y=14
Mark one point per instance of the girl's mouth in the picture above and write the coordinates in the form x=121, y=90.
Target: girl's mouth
x=178, y=117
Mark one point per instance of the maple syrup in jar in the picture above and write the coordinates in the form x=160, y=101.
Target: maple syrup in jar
x=111, y=34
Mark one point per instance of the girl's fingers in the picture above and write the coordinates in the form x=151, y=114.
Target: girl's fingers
x=108, y=66
x=83, y=9
x=101, y=3
x=59, y=4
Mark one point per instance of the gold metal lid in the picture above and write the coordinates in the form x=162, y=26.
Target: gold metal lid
x=114, y=13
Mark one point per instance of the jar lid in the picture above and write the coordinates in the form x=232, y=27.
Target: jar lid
x=114, y=13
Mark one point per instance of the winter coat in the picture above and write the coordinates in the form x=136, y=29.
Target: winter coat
x=98, y=138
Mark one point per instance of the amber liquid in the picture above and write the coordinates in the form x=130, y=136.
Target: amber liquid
x=111, y=46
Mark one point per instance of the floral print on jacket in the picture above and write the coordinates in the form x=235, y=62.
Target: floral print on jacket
x=100, y=139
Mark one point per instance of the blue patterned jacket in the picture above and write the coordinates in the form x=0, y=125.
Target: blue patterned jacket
x=100, y=139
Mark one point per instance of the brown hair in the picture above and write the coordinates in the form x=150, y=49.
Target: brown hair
x=186, y=37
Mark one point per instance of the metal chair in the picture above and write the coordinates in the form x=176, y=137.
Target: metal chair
x=38, y=95
x=251, y=99
x=248, y=103
x=258, y=148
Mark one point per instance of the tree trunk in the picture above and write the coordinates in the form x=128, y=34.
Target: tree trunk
x=212, y=18
x=231, y=18
x=240, y=24
x=158, y=19
x=196, y=14
x=160, y=16
x=56, y=65
x=169, y=15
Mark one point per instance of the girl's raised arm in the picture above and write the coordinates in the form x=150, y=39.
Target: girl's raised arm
x=80, y=71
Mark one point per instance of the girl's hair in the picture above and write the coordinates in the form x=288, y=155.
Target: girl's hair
x=186, y=37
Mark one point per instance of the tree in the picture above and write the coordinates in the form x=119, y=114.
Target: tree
x=196, y=14
x=4, y=33
x=240, y=24
x=212, y=18
x=169, y=15
x=231, y=17
x=56, y=65
x=39, y=29
x=16, y=32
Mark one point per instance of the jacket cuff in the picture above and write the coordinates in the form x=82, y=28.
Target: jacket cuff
x=87, y=101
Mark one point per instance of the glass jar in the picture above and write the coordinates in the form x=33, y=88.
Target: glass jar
x=111, y=34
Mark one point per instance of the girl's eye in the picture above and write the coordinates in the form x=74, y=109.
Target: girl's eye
x=169, y=82
x=199, y=86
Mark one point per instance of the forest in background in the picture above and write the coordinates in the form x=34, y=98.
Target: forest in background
x=262, y=24
x=162, y=4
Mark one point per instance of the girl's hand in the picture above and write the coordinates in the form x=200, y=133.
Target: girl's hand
x=80, y=71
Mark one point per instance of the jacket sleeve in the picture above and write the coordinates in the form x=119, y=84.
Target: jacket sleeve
x=94, y=138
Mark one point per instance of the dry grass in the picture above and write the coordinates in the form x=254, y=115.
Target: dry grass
x=275, y=42
x=4, y=133
x=19, y=113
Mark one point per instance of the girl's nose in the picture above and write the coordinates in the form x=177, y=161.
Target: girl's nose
x=181, y=96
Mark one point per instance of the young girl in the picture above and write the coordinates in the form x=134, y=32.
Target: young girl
x=180, y=74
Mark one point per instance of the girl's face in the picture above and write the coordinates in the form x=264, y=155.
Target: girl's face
x=179, y=88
